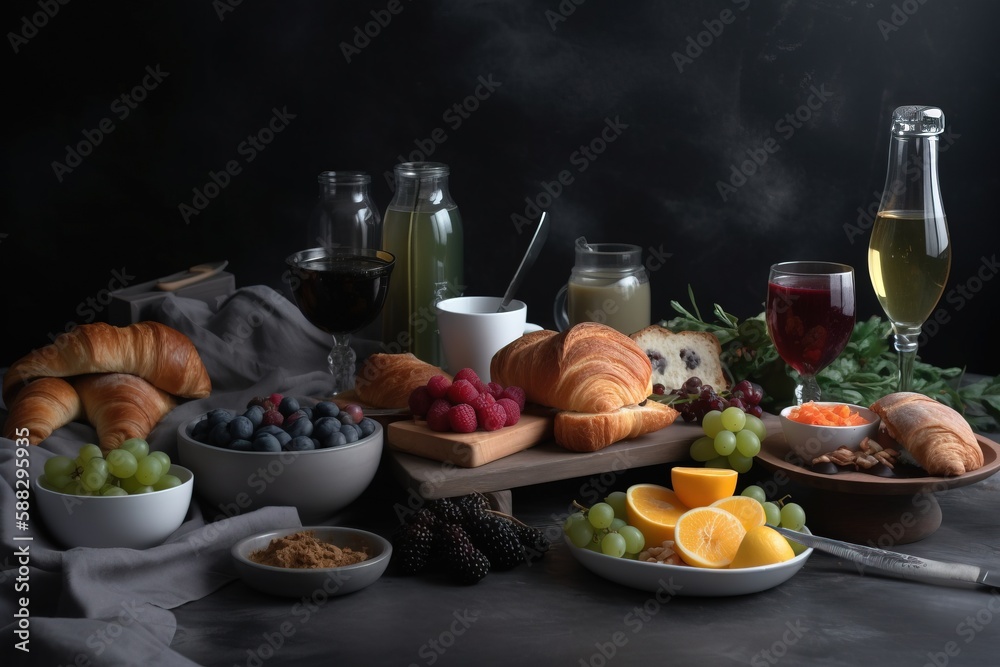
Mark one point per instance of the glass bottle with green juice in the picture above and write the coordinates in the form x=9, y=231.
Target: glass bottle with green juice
x=423, y=229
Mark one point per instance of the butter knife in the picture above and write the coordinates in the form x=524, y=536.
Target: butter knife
x=900, y=565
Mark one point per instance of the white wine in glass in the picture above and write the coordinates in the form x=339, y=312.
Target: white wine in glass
x=909, y=255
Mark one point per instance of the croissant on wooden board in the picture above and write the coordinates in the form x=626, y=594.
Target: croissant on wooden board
x=387, y=380
x=40, y=408
x=596, y=377
x=159, y=354
x=936, y=436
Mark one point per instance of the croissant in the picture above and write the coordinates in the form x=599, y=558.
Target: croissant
x=936, y=436
x=387, y=380
x=40, y=408
x=584, y=432
x=121, y=406
x=163, y=356
x=590, y=367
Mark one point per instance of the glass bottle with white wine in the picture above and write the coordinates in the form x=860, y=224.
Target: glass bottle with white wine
x=909, y=255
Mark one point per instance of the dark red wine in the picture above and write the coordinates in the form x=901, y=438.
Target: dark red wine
x=810, y=325
x=342, y=294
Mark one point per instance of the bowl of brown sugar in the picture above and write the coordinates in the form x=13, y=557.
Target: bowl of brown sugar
x=313, y=562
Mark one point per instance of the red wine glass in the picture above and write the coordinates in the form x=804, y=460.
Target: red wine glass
x=810, y=317
x=340, y=290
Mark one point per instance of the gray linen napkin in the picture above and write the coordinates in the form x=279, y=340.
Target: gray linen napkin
x=111, y=606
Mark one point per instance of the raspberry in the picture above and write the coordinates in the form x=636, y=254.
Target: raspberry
x=492, y=418
x=438, y=386
x=275, y=399
x=467, y=374
x=511, y=410
x=482, y=402
x=437, y=415
x=516, y=394
x=462, y=391
x=274, y=417
x=481, y=387
x=462, y=418
x=420, y=401
x=495, y=389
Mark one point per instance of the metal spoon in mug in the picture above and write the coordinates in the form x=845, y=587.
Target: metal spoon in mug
x=534, y=249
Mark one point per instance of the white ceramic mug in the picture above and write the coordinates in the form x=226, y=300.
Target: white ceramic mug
x=472, y=331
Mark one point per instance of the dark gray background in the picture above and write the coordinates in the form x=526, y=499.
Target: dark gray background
x=564, y=70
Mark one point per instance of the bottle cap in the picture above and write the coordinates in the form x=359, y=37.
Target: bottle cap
x=917, y=121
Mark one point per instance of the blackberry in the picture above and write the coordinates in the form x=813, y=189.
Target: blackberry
x=413, y=546
x=472, y=502
x=496, y=537
x=461, y=559
x=533, y=540
x=445, y=510
x=423, y=517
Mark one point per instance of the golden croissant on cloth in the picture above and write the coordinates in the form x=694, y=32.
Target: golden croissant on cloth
x=122, y=380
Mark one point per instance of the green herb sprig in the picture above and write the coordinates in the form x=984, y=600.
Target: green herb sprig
x=865, y=371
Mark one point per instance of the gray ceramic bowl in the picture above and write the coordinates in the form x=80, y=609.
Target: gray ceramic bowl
x=317, y=483
x=809, y=441
x=306, y=582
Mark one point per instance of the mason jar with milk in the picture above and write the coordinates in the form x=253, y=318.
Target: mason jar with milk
x=608, y=284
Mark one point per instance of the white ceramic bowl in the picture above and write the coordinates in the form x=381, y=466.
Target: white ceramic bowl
x=303, y=582
x=685, y=580
x=808, y=441
x=135, y=522
x=318, y=483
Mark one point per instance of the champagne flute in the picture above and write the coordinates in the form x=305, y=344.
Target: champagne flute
x=810, y=317
x=909, y=255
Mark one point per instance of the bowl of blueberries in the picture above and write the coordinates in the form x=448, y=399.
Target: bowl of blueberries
x=281, y=450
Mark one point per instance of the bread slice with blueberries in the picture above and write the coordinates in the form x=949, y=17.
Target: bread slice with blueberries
x=677, y=356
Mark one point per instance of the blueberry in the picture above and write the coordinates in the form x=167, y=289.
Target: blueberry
x=255, y=414
x=219, y=415
x=219, y=435
x=335, y=439
x=283, y=438
x=326, y=409
x=345, y=418
x=350, y=434
x=241, y=428
x=288, y=405
x=241, y=445
x=307, y=411
x=266, y=443
x=367, y=427
x=302, y=443
x=273, y=429
x=324, y=426
x=300, y=426
x=200, y=430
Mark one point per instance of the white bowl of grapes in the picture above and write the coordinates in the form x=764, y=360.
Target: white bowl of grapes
x=129, y=497
x=310, y=454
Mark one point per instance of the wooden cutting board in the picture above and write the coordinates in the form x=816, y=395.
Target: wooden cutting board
x=469, y=450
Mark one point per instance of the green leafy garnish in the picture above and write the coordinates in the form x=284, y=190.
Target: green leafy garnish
x=865, y=371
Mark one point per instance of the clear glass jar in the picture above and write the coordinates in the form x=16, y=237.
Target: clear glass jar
x=423, y=229
x=344, y=215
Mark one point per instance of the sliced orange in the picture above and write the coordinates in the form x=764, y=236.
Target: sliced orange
x=700, y=487
x=654, y=510
x=708, y=537
x=762, y=545
x=749, y=511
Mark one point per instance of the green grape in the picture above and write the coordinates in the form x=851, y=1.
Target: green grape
x=601, y=515
x=717, y=462
x=137, y=446
x=114, y=491
x=93, y=479
x=43, y=481
x=59, y=465
x=613, y=544
x=579, y=530
x=797, y=547
x=773, y=513
x=164, y=459
x=733, y=419
x=594, y=545
x=756, y=426
x=634, y=539
x=711, y=423
x=76, y=488
x=571, y=519
x=740, y=463
x=755, y=492
x=130, y=484
x=793, y=516
x=617, y=500
x=89, y=451
x=617, y=524
x=167, y=482
x=703, y=449
x=747, y=443
x=725, y=443
x=121, y=463
x=148, y=471
x=58, y=482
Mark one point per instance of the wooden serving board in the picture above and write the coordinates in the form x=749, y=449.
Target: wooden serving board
x=468, y=450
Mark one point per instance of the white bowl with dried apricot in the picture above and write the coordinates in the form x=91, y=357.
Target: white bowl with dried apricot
x=819, y=427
